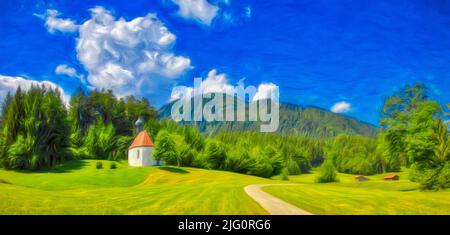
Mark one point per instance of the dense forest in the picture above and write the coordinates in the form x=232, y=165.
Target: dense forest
x=39, y=131
x=293, y=119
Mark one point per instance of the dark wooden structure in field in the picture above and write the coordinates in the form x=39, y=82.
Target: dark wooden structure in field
x=361, y=178
x=392, y=177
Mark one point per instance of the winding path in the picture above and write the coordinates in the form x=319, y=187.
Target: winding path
x=271, y=204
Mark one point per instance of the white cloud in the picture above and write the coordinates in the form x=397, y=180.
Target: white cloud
x=218, y=83
x=266, y=91
x=248, y=11
x=10, y=84
x=199, y=10
x=66, y=70
x=54, y=24
x=213, y=83
x=130, y=57
x=341, y=107
x=182, y=92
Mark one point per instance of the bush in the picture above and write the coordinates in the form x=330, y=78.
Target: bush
x=166, y=149
x=303, y=163
x=238, y=160
x=444, y=176
x=18, y=152
x=284, y=174
x=185, y=153
x=327, y=173
x=121, y=149
x=187, y=156
x=433, y=179
x=292, y=167
x=296, y=159
x=112, y=165
x=200, y=161
x=261, y=166
x=357, y=155
x=100, y=141
x=215, y=154
x=99, y=165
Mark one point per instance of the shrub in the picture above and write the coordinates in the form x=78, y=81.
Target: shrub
x=185, y=153
x=275, y=157
x=296, y=159
x=100, y=140
x=357, y=155
x=292, y=167
x=444, y=176
x=433, y=179
x=327, y=173
x=261, y=166
x=284, y=174
x=99, y=165
x=200, y=161
x=112, y=165
x=121, y=148
x=238, y=160
x=187, y=156
x=303, y=163
x=18, y=152
x=215, y=154
x=166, y=149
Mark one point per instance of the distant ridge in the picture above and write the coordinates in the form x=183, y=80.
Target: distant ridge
x=294, y=119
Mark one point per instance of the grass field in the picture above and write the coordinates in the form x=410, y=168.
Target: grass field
x=80, y=188
x=373, y=197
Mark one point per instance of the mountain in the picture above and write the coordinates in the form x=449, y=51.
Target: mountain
x=293, y=119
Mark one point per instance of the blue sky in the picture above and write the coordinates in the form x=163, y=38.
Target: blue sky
x=341, y=53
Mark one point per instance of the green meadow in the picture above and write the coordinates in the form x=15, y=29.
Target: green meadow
x=373, y=197
x=80, y=188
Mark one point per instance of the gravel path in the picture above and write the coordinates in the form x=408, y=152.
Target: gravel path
x=271, y=204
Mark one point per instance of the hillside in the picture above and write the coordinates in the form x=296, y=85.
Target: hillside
x=294, y=119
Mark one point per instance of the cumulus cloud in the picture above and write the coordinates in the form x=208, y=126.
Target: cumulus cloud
x=266, y=91
x=199, y=10
x=213, y=83
x=66, y=70
x=54, y=24
x=218, y=83
x=10, y=84
x=182, y=92
x=130, y=57
x=341, y=107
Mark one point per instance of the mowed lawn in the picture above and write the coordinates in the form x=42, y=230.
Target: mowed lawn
x=373, y=197
x=80, y=188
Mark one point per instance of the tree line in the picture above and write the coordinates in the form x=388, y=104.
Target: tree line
x=38, y=131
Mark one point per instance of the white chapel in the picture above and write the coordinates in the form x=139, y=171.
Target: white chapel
x=140, y=152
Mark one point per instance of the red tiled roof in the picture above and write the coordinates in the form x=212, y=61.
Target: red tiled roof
x=142, y=140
